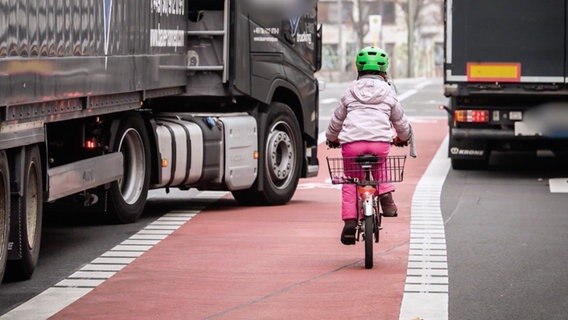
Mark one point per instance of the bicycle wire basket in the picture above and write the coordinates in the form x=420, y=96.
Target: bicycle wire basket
x=348, y=171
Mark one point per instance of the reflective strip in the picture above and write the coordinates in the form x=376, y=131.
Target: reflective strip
x=493, y=71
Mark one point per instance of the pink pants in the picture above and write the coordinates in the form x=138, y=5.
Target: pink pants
x=353, y=149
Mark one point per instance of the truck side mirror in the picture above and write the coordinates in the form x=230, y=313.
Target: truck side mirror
x=319, y=47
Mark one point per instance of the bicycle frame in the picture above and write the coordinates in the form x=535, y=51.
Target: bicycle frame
x=366, y=193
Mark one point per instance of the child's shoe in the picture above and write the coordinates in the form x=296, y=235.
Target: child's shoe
x=348, y=233
x=388, y=205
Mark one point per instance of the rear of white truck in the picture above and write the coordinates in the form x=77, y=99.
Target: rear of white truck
x=506, y=77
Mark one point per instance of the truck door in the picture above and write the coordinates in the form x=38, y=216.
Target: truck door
x=271, y=36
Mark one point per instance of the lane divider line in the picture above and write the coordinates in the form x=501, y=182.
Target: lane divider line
x=102, y=268
x=426, y=288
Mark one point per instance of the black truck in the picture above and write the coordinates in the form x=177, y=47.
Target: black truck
x=102, y=100
x=506, y=76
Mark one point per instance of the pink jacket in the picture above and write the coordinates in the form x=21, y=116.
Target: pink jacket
x=366, y=111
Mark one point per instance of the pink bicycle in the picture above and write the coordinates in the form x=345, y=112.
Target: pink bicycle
x=366, y=172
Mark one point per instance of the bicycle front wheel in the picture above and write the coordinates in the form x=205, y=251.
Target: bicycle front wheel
x=369, y=235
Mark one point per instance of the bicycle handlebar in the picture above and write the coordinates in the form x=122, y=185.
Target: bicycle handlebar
x=395, y=142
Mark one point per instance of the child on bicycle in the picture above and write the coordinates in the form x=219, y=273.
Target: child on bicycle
x=361, y=124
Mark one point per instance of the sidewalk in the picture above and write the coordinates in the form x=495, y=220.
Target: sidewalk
x=284, y=262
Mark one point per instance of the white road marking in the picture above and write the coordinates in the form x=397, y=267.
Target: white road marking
x=558, y=185
x=407, y=94
x=426, y=289
x=329, y=101
x=69, y=290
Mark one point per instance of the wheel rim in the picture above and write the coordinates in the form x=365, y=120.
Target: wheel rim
x=31, y=204
x=132, y=181
x=281, y=154
x=3, y=215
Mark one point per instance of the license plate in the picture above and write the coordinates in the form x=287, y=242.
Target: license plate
x=515, y=115
x=525, y=129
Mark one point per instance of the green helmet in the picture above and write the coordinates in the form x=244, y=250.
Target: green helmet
x=372, y=59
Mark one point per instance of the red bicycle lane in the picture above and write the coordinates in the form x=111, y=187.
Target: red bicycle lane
x=284, y=262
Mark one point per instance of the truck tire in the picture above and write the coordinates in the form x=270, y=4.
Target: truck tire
x=4, y=212
x=30, y=208
x=282, y=159
x=127, y=196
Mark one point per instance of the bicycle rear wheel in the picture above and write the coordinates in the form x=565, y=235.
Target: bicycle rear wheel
x=369, y=235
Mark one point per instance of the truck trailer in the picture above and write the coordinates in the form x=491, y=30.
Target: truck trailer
x=506, y=78
x=102, y=100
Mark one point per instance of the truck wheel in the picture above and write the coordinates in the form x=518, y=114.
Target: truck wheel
x=469, y=164
x=127, y=196
x=4, y=211
x=30, y=208
x=282, y=159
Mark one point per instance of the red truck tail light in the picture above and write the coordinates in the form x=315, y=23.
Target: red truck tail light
x=90, y=143
x=472, y=116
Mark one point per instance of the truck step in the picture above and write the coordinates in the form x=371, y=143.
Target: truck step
x=194, y=68
x=206, y=33
x=208, y=38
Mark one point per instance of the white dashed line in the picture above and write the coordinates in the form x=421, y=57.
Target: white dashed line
x=67, y=291
x=426, y=289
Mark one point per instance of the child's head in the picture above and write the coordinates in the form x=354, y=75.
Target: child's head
x=371, y=60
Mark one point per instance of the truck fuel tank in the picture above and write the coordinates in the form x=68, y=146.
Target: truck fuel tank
x=197, y=150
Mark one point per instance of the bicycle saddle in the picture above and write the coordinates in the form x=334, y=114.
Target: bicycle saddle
x=366, y=158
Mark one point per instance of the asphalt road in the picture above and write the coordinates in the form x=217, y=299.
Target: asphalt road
x=506, y=238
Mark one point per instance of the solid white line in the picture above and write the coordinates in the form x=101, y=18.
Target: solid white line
x=92, y=275
x=174, y=219
x=169, y=223
x=131, y=248
x=103, y=267
x=158, y=227
x=426, y=290
x=112, y=260
x=140, y=242
x=148, y=237
x=123, y=254
x=155, y=232
x=80, y=283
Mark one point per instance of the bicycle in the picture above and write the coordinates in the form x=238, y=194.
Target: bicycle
x=366, y=172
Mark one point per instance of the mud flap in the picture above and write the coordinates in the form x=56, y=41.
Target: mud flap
x=468, y=149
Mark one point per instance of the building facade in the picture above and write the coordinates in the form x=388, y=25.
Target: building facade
x=382, y=23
